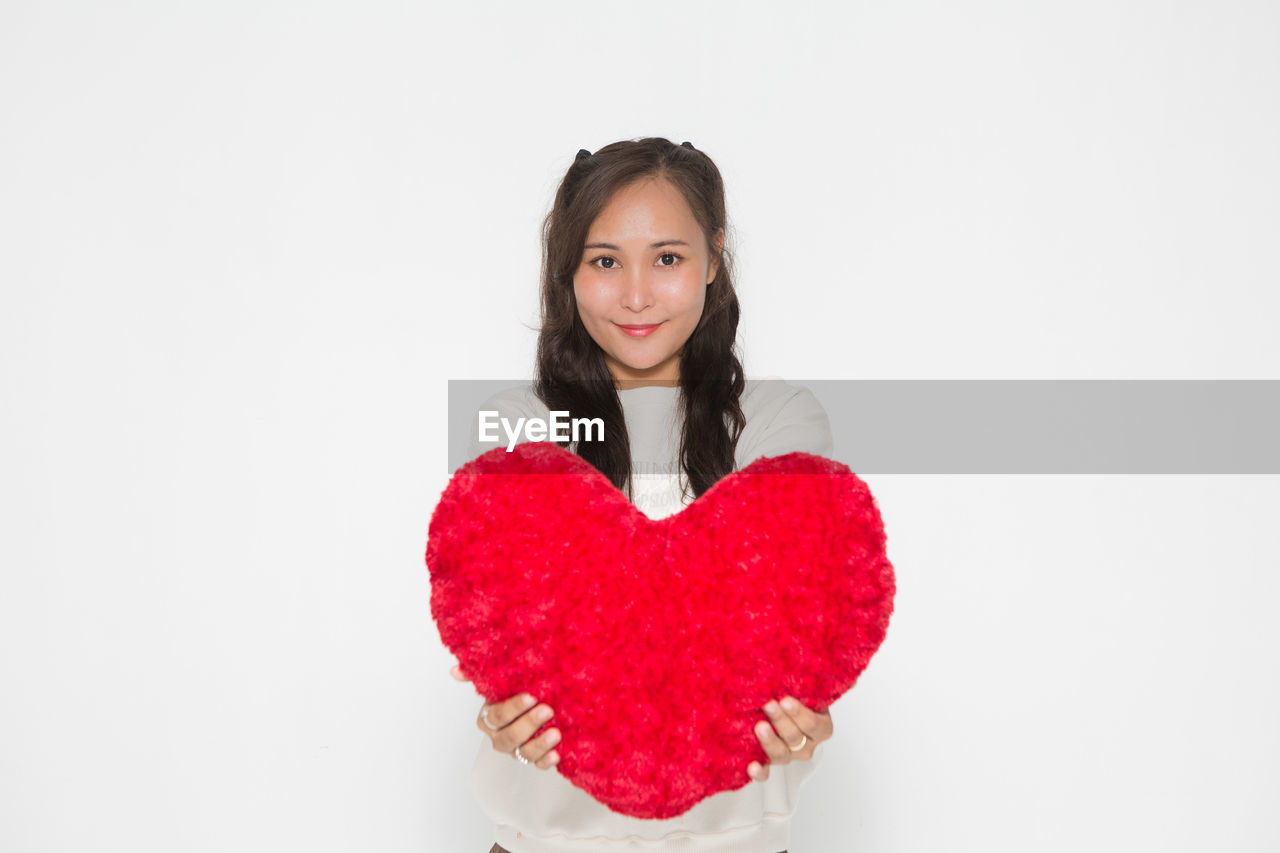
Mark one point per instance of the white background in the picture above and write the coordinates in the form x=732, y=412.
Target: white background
x=244, y=245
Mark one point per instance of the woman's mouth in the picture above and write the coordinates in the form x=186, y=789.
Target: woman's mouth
x=639, y=331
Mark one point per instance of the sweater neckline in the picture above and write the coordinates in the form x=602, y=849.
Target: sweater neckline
x=649, y=388
x=649, y=394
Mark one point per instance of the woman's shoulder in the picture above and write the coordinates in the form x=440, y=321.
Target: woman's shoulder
x=772, y=395
x=517, y=400
x=782, y=417
x=508, y=404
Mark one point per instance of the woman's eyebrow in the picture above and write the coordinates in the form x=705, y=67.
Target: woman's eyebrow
x=651, y=245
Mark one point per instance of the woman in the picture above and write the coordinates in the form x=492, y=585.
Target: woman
x=639, y=325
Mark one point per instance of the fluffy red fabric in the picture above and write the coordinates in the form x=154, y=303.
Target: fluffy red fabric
x=657, y=642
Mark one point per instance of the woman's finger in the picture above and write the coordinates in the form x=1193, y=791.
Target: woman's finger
x=551, y=759
x=758, y=771
x=540, y=750
x=517, y=732
x=501, y=714
x=773, y=745
x=790, y=733
x=458, y=674
x=817, y=726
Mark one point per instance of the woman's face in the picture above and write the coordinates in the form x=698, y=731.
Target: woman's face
x=643, y=280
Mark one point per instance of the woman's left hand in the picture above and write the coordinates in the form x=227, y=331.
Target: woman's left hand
x=795, y=732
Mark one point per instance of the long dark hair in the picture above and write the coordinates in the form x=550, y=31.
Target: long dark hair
x=571, y=371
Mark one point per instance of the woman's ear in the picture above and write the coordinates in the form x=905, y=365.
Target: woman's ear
x=714, y=266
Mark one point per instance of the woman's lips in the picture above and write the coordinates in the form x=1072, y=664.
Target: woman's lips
x=638, y=331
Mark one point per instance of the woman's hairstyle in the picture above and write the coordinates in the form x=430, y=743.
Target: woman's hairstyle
x=571, y=373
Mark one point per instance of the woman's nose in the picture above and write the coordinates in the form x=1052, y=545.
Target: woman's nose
x=637, y=291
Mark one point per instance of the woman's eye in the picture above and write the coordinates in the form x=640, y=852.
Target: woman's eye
x=666, y=259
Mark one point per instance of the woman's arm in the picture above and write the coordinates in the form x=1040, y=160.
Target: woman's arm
x=511, y=724
x=792, y=420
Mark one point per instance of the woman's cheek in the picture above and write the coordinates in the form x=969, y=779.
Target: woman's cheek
x=686, y=295
x=696, y=296
x=589, y=291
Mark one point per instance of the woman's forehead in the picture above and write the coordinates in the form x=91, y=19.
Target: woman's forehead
x=648, y=213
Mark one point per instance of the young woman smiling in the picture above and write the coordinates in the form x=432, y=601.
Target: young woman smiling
x=639, y=327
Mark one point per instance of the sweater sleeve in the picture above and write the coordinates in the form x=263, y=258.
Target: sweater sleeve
x=785, y=419
x=510, y=405
x=791, y=420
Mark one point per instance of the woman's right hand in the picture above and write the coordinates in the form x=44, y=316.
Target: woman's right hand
x=512, y=723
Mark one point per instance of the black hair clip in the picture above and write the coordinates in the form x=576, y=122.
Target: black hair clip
x=689, y=145
x=582, y=152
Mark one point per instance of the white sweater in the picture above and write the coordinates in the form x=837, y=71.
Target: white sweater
x=539, y=811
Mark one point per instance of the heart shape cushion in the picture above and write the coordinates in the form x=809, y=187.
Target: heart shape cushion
x=657, y=641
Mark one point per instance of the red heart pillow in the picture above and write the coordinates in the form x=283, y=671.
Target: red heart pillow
x=658, y=641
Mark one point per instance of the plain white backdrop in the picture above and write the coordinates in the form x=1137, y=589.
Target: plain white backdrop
x=244, y=245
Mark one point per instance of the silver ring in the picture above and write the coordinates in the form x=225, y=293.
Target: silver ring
x=516, y=753
x=484, y=718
